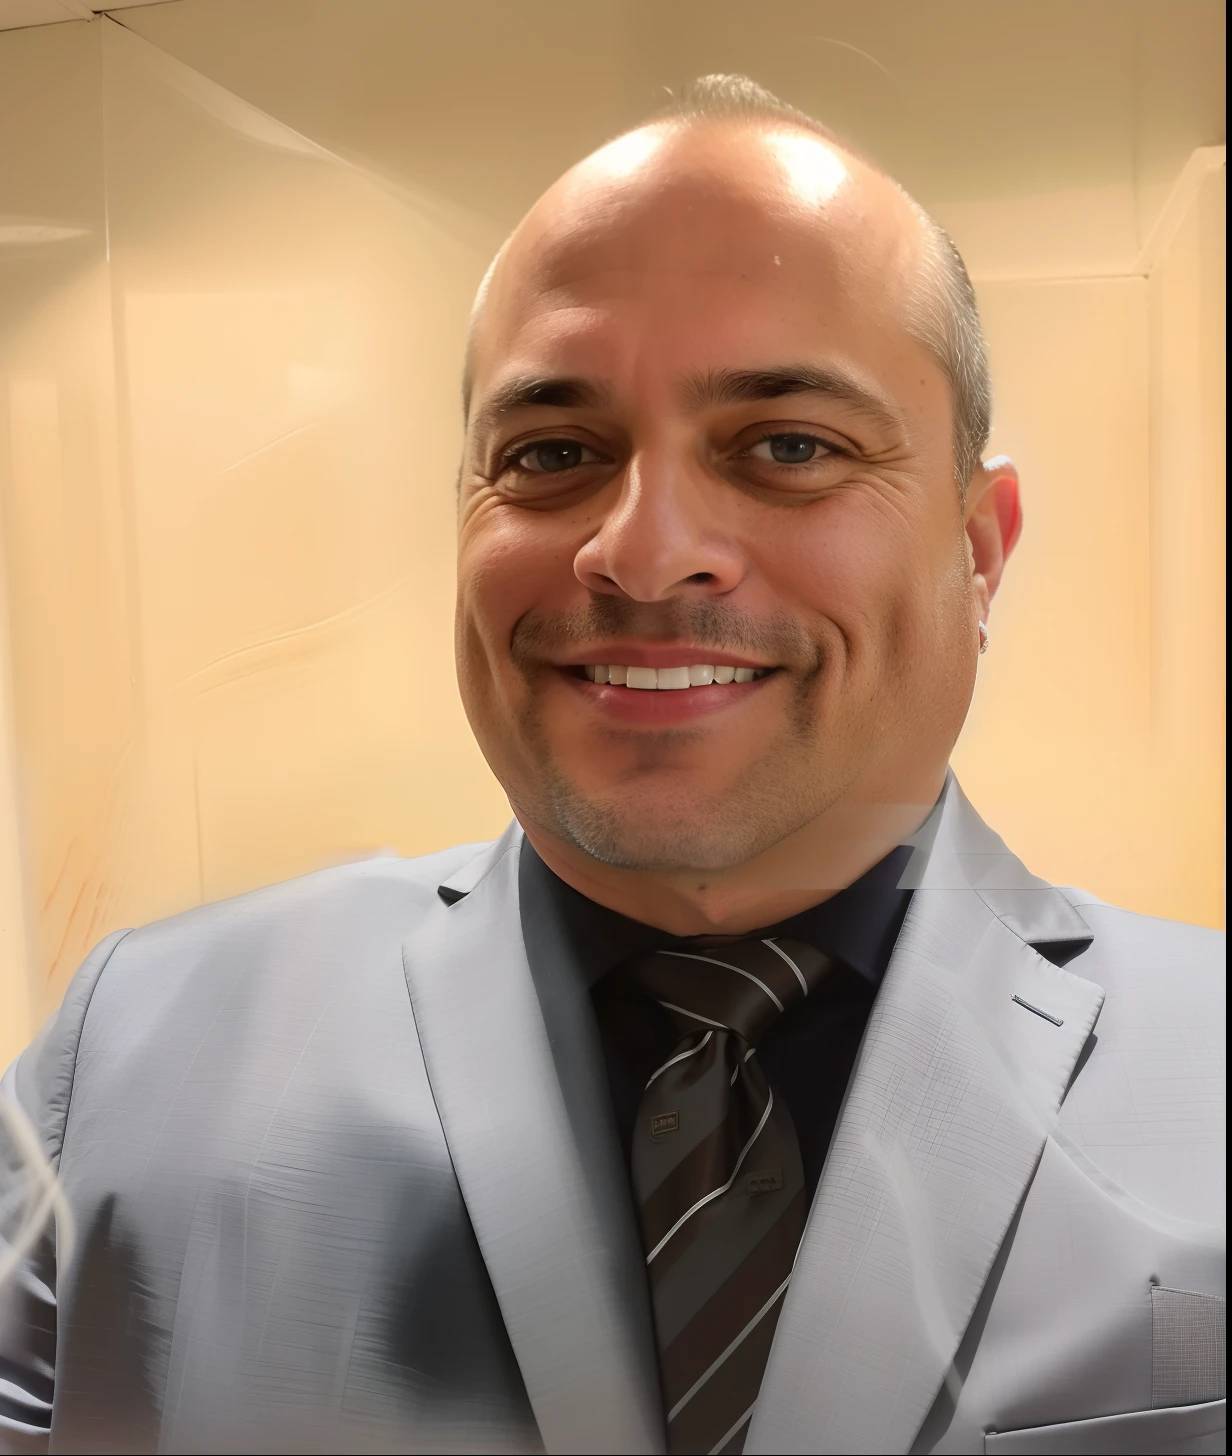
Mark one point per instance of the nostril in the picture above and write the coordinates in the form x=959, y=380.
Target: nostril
x=700, y=578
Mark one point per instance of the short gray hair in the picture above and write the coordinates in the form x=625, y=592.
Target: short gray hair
x=946, y=317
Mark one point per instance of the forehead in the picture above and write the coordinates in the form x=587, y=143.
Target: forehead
x=699, y=246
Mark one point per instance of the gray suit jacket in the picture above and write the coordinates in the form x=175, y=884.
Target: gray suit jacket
x=345, y=1177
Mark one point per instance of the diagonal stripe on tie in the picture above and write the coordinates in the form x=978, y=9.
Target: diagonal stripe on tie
x=719, y=1181
x=727, y=1307
x=716, y=1409
x=670, y=1216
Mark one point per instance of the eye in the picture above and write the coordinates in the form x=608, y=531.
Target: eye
x=550, y=457
x=791, y=449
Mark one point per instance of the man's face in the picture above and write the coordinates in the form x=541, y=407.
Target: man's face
x=702, y=441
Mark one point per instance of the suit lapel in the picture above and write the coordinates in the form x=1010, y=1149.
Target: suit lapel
x=537, y=1164
x=945, y=1119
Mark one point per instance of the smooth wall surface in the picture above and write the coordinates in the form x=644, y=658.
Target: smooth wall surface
x=238, y=244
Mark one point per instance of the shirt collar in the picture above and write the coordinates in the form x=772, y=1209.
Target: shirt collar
x=858, y=925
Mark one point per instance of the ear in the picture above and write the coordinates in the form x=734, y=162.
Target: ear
x=994, y=523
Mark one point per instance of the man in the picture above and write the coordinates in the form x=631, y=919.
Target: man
x=747, y=1093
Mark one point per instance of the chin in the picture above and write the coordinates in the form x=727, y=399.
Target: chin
x=633, y=835
x=674, y=849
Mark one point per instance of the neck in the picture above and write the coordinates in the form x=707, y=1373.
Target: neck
x=808, y=866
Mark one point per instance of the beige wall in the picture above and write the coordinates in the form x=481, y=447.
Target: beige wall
x=236, y=257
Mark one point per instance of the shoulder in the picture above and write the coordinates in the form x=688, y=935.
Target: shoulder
x=150, y=991
x=1164, y=985
x=363, y=897
x=1119, y=921
x=1134, y=955
x=1147, y=1104
x=351, y=912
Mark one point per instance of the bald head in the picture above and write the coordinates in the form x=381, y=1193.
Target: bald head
x=729, y=156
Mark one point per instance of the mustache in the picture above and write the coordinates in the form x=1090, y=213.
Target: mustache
x=706, y=622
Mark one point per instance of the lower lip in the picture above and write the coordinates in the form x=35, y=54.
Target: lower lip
x=664, y=706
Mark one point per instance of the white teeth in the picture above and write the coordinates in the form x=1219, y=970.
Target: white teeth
x=697, y=675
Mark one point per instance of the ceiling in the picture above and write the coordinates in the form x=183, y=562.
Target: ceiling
x=16, y=14
x=484, y=101
x=481, y=103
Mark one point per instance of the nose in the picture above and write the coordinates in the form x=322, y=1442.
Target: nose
x=664, y=536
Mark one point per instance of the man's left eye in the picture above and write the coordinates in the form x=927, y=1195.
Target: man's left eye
x=790, y=449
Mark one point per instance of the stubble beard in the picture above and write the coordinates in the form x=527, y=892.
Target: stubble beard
x=655, y=826
x=649, y=823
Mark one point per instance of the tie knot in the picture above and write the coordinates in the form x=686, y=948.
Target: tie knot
x=742, y=987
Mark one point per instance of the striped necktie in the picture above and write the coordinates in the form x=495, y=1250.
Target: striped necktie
x=718, y=1180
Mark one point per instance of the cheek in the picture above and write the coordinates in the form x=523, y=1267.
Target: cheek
x=860, y=562
x=510, y=562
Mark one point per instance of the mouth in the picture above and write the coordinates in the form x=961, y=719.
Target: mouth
x=665, y=686
x=670, y=679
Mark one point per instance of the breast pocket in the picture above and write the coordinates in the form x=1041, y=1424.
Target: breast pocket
x=1186, y=1430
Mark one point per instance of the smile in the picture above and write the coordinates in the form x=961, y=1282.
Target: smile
x=671, y=679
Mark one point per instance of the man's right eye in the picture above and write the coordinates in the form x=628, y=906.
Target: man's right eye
x=548, y=457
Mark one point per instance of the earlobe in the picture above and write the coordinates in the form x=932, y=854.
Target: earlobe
x=982, y=593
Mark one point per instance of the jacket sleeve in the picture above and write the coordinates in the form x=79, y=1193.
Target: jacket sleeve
x=37, y=1091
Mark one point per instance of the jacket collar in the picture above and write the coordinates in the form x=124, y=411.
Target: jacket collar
x=516, y=1069
x=965, y=854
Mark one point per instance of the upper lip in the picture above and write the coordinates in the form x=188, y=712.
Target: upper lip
x=659, y=654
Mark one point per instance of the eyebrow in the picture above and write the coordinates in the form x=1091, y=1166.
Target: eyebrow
x=747, y=386
x=709, y=390
x=529, y=391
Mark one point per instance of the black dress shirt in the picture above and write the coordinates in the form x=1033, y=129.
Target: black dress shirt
x=807, y=1055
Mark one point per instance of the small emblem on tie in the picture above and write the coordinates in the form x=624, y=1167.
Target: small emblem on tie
x=661, y=1123
x=769, y=1180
